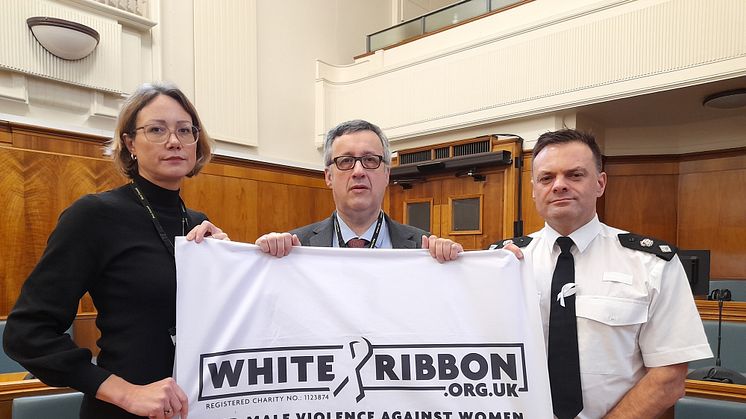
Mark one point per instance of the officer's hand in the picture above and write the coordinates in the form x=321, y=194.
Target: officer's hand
x=515, y=249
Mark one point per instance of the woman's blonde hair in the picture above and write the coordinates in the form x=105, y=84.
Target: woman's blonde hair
x=128, y=118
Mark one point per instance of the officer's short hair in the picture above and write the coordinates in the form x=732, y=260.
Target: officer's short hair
x=567, y=135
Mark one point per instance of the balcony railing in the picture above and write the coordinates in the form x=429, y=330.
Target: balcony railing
x=435, y=21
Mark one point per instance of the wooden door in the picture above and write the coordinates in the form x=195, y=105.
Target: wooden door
x=449, y=197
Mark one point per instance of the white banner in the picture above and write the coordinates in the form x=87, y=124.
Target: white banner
x=329, y=333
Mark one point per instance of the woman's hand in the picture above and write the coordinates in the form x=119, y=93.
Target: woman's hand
x=206, y=229
x=161, y=399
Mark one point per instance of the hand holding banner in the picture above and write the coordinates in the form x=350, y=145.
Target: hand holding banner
x=328, y=333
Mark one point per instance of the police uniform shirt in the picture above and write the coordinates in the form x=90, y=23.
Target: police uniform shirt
x=383, y=242
x=634, y=310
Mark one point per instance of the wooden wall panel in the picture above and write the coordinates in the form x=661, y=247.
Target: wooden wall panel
x=442, y=187
x=256, y=201
x=499, y=194
x=13, y=253
x=532, y=221
x=492, y=191
x=643, y=204
x=246, y=199
x=398, y=198
x=304, y=205
x=58, y=143
x=712, y=212
x=38, y=187
x=85, y=332
x=237, y=209
x=5, y=133
x=695, y=201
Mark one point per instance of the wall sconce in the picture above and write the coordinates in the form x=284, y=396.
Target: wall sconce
x=731, y=99
x=62, y=38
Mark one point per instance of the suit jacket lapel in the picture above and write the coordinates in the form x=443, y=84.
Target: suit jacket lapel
x=400, y=237
x=323, y=234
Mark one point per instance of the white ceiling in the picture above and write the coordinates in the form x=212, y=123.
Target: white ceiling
x=673, y=107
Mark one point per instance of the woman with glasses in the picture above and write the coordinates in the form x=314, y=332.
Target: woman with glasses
x=119, y=247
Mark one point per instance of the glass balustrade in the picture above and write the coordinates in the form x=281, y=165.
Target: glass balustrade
x=434, y=21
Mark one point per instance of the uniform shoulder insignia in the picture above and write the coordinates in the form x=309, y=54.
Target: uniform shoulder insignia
x=522, y=241
x=657, y=247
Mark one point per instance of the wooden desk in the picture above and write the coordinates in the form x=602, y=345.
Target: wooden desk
x=708, y=389
x=12, y=385
x=12, y=376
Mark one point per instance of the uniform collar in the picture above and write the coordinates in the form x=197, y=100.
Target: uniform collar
x=582, y=237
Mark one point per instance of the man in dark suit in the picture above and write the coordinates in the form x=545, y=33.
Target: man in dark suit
x=358, y=161
x=322, y=233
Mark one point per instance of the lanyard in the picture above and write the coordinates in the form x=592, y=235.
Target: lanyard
x=373, y=239
x=184, y=218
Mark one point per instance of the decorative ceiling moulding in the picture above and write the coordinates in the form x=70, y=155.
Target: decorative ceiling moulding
x=136, y=17
x=63, y=38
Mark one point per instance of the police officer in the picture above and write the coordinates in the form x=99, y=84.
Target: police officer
x=624, y=350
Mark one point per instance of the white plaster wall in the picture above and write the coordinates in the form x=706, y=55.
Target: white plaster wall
x=176, y=28
x=715, y=134
x=37, y=88
x=291, y=37
x=536, y=62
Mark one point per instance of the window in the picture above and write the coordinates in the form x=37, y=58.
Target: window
x=418, y=214
x=466, y=215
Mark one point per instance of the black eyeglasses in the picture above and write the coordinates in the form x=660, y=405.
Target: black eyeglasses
x=159, y=133
x=369, y=161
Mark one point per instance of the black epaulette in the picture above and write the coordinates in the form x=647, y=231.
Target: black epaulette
x=522, y=241
x=657, y=247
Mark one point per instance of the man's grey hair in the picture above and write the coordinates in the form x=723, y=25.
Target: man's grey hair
x=351, y=127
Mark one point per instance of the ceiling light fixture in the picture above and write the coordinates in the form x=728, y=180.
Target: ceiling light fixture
x=731, y=99
x=63, y=38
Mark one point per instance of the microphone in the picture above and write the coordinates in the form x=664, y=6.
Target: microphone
x=717, y=373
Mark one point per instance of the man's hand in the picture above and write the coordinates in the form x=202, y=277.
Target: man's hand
x=206, y=229
x=658, y=390
x=441, y=249
x=277, y=244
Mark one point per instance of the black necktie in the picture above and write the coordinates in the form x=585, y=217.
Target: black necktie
x=564, y=365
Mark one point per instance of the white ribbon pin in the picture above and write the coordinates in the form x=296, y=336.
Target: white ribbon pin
x=566, y=291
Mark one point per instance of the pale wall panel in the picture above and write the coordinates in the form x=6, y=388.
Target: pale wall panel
x=225, y=68
x=598, y=52
x=84, y=96
x=19, y=50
